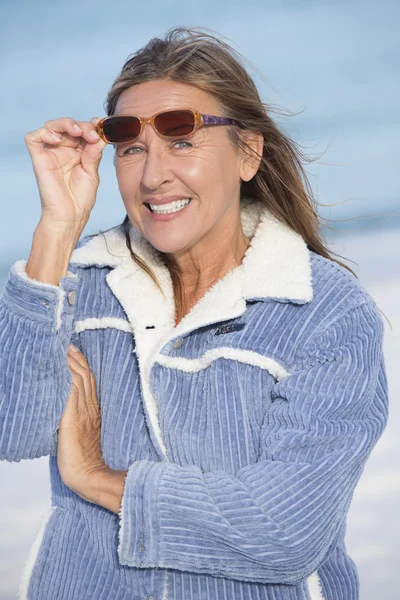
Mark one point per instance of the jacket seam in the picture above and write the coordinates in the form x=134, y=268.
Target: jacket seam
x=312, y=343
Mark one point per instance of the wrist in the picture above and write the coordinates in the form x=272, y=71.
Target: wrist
x=60, y=232
x=105, y=487
x=51, y=252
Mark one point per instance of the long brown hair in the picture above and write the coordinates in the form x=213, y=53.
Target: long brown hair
x=191, y=56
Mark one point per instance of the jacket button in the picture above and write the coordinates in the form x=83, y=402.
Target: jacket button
x=71, y=297
x=178, y=343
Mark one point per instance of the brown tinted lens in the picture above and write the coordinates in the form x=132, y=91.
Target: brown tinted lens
x=121, y=129
x=176, y=122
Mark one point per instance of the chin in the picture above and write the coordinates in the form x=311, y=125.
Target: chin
x=166, y=245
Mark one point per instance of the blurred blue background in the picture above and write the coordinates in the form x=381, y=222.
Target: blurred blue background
x=334, y=64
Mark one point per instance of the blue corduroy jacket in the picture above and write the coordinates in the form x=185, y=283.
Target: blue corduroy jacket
x=244, y=429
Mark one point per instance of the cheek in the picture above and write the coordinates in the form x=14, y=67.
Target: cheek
x=128, y=178
x=193, y=172
x=216, y=169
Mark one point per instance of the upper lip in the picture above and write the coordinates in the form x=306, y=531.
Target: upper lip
x=164, y=199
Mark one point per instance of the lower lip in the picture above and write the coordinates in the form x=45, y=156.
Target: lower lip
x=165, y=216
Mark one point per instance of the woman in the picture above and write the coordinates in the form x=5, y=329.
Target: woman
x=227, y=384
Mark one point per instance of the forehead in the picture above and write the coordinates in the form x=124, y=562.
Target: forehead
x=151, y=97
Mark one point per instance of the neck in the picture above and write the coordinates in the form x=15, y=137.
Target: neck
x=195, y=271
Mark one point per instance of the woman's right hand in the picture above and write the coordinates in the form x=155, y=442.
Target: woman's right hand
x=66, y=155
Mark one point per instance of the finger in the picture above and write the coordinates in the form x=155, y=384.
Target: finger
x=75, y=353
x=37, y=141
x=83, y=403
x=86, y=381
x=74, y=390
x=87, y=402
x=78, y=358
x=41, y=136
x=94, y=389
x=95, y=121
x=89, y=132
x=53, y=130
x=64, y=125
x=81, y=377
x=71, y=407
x=84, y=129
x=93, y=151
x=78, y=368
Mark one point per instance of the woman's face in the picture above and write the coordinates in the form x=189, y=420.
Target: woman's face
x=205, y=168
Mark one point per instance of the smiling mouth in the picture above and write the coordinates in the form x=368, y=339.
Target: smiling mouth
x=171, y=207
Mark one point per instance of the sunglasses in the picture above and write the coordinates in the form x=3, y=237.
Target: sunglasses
x=170, y=123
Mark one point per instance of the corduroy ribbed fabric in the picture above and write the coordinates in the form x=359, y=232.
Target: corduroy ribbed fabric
x=244, y=429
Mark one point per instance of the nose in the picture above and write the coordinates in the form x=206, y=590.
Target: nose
x=155, y=170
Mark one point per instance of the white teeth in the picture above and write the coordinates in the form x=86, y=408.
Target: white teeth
x=171, y=207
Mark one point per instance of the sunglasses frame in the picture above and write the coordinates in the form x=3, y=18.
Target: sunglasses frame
x=200, y=120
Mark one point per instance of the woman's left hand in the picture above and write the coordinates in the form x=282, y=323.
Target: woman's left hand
x=79, y=437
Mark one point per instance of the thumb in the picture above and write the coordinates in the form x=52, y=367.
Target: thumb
x=95, y=120
x=91, y=157
x=93, y=152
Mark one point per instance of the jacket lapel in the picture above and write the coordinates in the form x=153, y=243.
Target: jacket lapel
x=276, y=266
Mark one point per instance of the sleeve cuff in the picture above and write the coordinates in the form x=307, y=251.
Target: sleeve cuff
x=37, y=300
x=139, y=526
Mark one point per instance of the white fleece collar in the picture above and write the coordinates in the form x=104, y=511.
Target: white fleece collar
x=276, y=265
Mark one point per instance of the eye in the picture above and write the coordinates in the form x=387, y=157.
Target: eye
x=131, y=150
x=127, y=150
x=183, y=142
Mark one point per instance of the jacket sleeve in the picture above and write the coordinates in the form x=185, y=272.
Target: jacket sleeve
x=272, y=521
x=36, y=324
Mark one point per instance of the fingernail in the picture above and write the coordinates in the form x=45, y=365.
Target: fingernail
x=73, y=348
x=94, y=135
x=77, y=128
x=56, y=136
